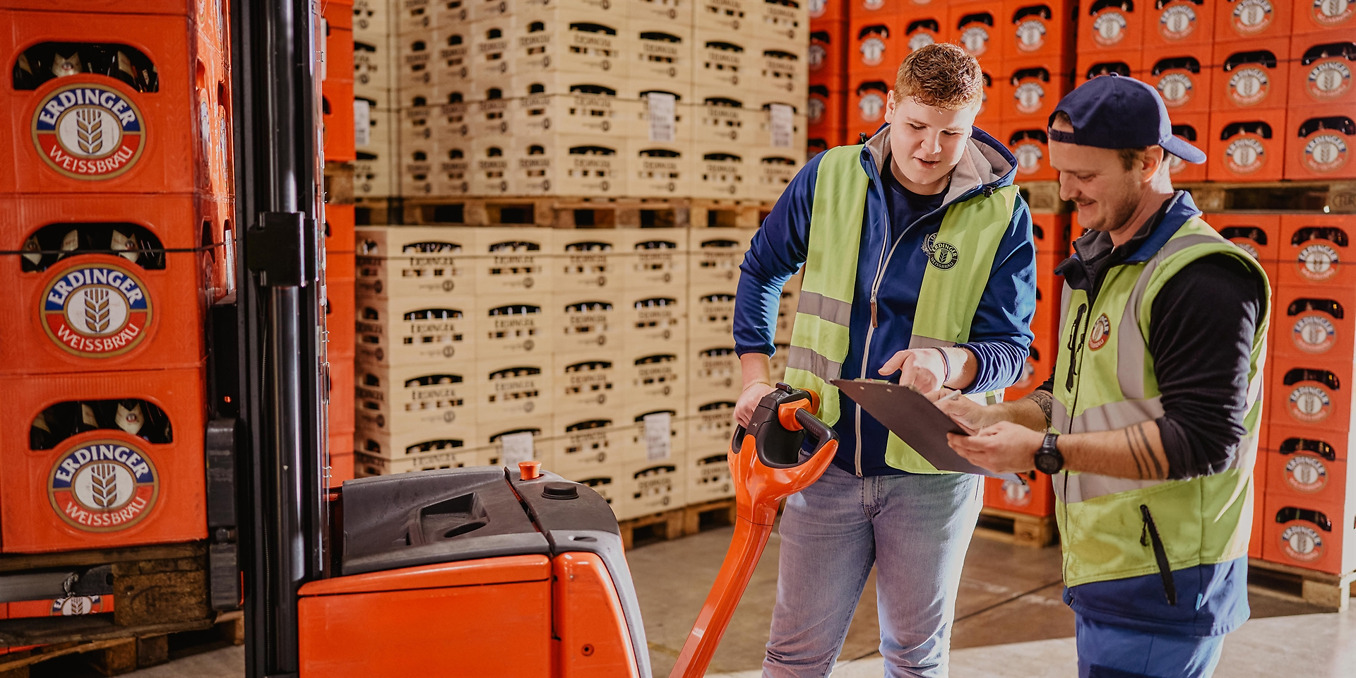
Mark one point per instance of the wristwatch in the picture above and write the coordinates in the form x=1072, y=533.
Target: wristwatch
x=1048, y=458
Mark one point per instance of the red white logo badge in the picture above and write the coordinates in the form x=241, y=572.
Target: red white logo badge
x=1306, y=474
x=1314, y=334
x=88, y=131
x=1251, y=17
x=103, y=486
x=1302, y=543
x=1310, y=404
x=1101, y=331
x=96, y=310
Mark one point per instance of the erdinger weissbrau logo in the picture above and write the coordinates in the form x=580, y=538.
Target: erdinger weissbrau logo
x=103, y=486
x=96, y=310
x=88, y=131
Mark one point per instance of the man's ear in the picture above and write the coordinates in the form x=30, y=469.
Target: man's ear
x=1151, y=161
x=889, y=105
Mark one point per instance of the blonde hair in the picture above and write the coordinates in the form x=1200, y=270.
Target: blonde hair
x=941, y=75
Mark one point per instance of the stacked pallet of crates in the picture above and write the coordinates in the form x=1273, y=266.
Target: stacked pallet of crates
x=117, y=200
x=1035, y=41
x=826, y=110
x=374, y=101
x=337, y=101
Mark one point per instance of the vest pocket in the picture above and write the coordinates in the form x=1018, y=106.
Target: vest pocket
x=1150, y=537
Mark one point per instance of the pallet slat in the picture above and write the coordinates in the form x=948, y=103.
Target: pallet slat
x=1329, y=591
x=1018, y=528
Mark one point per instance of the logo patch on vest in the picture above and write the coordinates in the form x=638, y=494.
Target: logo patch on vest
x=103, y=486
x=943, y=255
x=1306, y=474
x=1101, y=331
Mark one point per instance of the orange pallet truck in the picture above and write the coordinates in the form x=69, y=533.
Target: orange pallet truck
x=467, y=572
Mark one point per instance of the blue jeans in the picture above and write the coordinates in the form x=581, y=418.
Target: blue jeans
x=913, y=528
x=1109, y=651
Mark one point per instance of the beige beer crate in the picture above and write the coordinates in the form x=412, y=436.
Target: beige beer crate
x=654, y=379
x=514, y=390
x=571, y=38
x=452, y=168
x=491, y=114
x=728, y=16
x=587, y=442
x=684, y=120
x=450, y=118
x=491, y=54
x=722, y=66
x=491, y=169
x=373, y=69
x=716, y=254
x=395, y=400
x=591, y=382
x=373, y=176
x=661, y=56
x=416, y=261
x=485, y=10
x=653, y=482
x=724, y=121
x=514, y=260
x=722, y=172
x=586, y=108
x=452, y=58
x=784, y=22
x=708, y=475
x=588, y=322
x=588, y=261
x=710, y=313
x=655, y=320
x=656, y=170
x=417, y=330
x=543, y=446
x=372, y=18
x=713, y=373
x=656, y=258
x=514, y=326
x=381, y=131
x=414, y=16
x=416, y=168
x=711, y=425
x=412, y=443
x=569, y=165
x=416, y=123
x=677, y=12
x=772, y=173
x=367, y=465
x=779, y=73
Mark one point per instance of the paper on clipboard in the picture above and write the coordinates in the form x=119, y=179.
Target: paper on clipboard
x=916, y=420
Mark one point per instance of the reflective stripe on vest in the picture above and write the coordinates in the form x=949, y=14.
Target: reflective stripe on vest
x=1204, y=520
x=947, y=299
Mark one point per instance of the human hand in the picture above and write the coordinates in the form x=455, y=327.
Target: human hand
x=1004, y=447
x=964, y=411
x=922, y=369
x=748, y=400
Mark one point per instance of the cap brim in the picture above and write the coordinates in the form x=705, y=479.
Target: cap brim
x=1183, y=150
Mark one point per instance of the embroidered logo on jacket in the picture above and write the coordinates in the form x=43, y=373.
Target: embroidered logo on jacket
x=941, y=254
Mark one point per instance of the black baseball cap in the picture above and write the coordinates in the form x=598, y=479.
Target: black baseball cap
x=1115, y=111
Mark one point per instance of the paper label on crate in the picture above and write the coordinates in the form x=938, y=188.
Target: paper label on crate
x=88, y=131
x=658, y=436
x=663, y=116
x=362, y=123
x=783, y=126
x=516, y=447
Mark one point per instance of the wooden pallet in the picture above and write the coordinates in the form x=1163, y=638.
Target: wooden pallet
x=706, y=515
x=1329, y=591
x=1018, y=528
x=1335, y=197
x=729, y=213
x=665, y=526
x=118, y=655
x=376, y=211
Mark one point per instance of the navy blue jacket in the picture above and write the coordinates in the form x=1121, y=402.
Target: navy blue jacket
x=999, y=336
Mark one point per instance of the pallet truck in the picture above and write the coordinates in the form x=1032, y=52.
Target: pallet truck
x=466, y=572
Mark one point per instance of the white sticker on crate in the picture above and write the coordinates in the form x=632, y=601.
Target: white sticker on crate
x=783, y=125
x=362, y=123
x=663, y=117
x=516, y=447
x=658, y=436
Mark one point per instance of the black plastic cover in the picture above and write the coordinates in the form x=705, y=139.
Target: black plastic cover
x=442, y=516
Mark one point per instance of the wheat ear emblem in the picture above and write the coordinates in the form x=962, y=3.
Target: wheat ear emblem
x=90, y=129
x=79, y=606
x=104, y=485
x=96, y=310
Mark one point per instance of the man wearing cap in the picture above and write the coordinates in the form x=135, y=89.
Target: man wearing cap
x=1149, y=423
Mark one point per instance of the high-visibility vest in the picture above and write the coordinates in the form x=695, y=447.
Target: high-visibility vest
x=962, y=257
x=1104, y=381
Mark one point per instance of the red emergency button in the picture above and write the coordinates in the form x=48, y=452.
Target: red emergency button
x=530, y=469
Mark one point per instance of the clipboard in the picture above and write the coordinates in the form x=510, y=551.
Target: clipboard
x=916, y=420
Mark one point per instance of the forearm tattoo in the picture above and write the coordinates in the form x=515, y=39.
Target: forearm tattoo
x=1044, y=400
x=1146, y=462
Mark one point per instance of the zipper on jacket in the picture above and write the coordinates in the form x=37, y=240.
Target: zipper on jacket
x=1075, y=342
x=1149, y=535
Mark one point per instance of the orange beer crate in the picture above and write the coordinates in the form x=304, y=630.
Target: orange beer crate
x=105, y=487
x=160, y=126
x=96, y=310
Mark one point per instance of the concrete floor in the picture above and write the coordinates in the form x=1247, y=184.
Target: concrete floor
x=1010, y=621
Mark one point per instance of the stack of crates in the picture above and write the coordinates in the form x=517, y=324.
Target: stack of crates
x=117, y=225
x=1306, y=513
x=374, y=99
x=585, y=98
x=337, y=101
x=1263, y=86
x=828, y=77
x=1034, y=74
